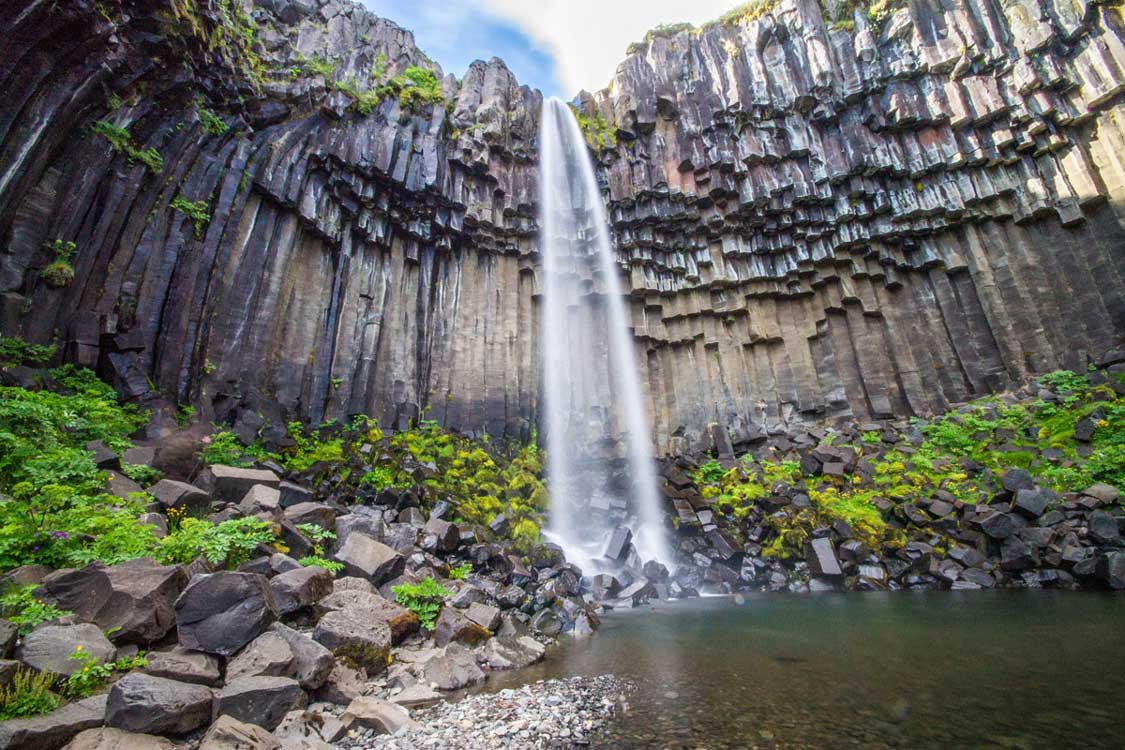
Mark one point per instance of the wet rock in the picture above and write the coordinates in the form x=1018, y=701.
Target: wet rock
x=155, y=705
x=1111, y=568
x=821, y=557
x=135, y=599
x=184, y=666
x=259, y=700
x=222, y=612
x=547, y=622
x=299, y=588
x=1103, y=527
x=48, y=648
x=619, y=542
x=350, y=634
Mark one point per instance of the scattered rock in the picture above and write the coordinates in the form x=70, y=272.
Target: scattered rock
x=107, y=738
x=452, y=625
x=222, y=612
x=301, y=587
x=148, y=704
x=48, y=648
x=184, y=665
x=382, y=716
x=454, y=668
x=349, y=634
x=52, y=731
x=228, y=733
x=259, y=700
x=367, y=558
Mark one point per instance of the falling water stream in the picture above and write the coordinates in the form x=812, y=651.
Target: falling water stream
x=595, y=419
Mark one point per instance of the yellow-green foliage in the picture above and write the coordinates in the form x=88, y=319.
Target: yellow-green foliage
x=748, y=12
x=599, y=133
x=122, y=142
x=198, y=211
x=230, y=35
x=737, y=490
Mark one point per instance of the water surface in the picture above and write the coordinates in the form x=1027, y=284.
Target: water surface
x=945, y=670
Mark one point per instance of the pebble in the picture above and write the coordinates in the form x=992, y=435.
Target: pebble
x=546, y=715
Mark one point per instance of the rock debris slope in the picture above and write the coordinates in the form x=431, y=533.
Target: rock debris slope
x=812, y=221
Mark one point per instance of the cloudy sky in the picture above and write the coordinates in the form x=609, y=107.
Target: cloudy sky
x=558, y=46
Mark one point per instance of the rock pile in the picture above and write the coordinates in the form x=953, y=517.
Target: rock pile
x=247, y=651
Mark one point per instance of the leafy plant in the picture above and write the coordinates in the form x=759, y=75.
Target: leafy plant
x=15, y=351
x=198, y=211
x=424, y=599
x=460, y=572
x=93, y=673
x=25, y=611
x=142, y=474
x=318, y=537
x=228, y=544
x=211, y=122
x=122, y=142
x=319, y=561
x=59, y=272
x=29, y=694
x=597, y=131
x=871, y=437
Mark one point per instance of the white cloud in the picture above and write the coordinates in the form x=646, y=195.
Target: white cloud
x=588, y=37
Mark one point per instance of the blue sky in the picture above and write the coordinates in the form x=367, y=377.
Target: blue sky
x=557, y=46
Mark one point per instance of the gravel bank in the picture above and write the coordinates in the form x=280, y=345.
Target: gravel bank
x=546, y=714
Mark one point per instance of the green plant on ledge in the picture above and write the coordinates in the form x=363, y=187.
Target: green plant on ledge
x=29, y=694
x=210, y=121
x=15, y=351
x=59, y=272
x=92, y=674
x=423, y=599
x=22, y=609
x=318, y=537
x=122, y=142
x=597, y=131
x=198, y=211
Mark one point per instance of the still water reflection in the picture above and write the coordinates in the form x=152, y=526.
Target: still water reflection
x=981, y=670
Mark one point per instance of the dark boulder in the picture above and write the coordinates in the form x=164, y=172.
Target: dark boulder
x=365, y=557
x=156, y=705
x=184, y=666
x=453, y=625
x=350, y=634
x=263, y=701
x=135, y=599
x=222, y=612
x=821, y=557
x=1111, y=568
x=299, y=588
x=48, y=647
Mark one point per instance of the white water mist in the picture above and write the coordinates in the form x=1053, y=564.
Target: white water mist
x=594, y=412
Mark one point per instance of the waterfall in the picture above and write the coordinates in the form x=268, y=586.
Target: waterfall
x=594, y=415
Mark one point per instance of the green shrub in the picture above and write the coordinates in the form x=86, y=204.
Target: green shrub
x=423, y=599
x=228, y=544
x=28, y=695
x=225, y=449
x=211, y=122
x=198, y=211
x=460, y=572
x=59, y=272
x=93, y=674
x=142, y=474
x=15, y=351
x=25, y=611
x=122, y=142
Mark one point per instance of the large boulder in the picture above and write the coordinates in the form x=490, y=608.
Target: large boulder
x=398, y=618
x=353, y=634
x=259, y=700
x=231, y=483
x=181, y=496
x=382, y=716
x=454, y=668
x=484, y=615
x=228, y=733
x=821, y=556
x=1111, y=568
x=300, y=588
x=185, y=666
x=108, y=738
x=48, y=648
x=1103, y=527
x=512, y=652
x=52, y=731
x=134, y=599
x=446, y=535
x=312, y=662
x=317, y=514
x=155, y=705
x=268, y=655
x=364, y=557
x=452, y=625
x=222, y=612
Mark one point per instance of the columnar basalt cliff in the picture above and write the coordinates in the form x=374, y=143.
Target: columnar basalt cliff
x=814, y=223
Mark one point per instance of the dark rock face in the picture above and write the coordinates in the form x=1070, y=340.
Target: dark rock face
x=903, y=218
x=258, y=700
x=222, y=612
x=134, y=598
x=154, y=705
x=52, y=731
